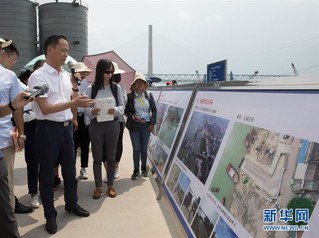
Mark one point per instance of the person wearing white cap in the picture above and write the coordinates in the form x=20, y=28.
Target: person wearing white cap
x=5, y=43
x=9, y=56
x=8, y=59
x=8, y=223
x=10, y=87
x=141, y=113
x=122, y=119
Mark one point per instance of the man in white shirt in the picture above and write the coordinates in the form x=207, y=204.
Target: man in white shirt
x=9, y=88
x=54, y=134
x=8, y=223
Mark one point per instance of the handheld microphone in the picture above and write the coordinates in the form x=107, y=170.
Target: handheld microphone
x=71, y=67
x=38, y=90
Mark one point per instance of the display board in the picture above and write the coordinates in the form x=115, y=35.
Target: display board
x=171, y=107
x=241, y=160
x=156, y=93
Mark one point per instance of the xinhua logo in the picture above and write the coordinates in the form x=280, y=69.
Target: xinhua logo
x=286, y=215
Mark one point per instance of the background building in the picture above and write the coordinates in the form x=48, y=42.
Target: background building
x=29, y=23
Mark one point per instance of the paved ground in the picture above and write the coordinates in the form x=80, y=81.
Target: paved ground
x=135, y=212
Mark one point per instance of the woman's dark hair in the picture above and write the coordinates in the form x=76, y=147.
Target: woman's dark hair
x=24, y=75
x=38, y=64
x=117, y=78
x=53, y=40
x=102, y=66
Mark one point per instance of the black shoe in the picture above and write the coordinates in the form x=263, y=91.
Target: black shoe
x=57, y=183
x=51, y=226
x=135, y=175
x=79, y=211
x=20, y=208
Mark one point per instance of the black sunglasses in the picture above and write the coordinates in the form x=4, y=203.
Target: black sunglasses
x=108, y=72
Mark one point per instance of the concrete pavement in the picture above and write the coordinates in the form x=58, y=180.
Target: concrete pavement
x=135, y=212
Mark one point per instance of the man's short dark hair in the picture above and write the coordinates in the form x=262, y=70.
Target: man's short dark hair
x=53, y=40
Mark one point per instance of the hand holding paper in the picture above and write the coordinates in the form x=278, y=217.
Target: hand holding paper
x=104, y=104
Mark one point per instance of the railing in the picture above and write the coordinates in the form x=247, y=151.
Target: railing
x=202, y=77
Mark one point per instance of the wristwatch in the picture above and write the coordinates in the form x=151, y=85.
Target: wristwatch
x=11, y=107
x=22, y=136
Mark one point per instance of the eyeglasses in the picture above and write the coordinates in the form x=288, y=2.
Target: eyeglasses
x=15, y=60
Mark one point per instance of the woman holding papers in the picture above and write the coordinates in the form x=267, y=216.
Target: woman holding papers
x=104, y=126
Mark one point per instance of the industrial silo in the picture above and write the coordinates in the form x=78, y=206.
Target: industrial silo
x=65, y=18
x=18, y=23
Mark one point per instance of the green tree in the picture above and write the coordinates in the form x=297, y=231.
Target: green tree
x=300, y=202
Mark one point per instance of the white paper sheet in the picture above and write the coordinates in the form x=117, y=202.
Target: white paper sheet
x=104, y=104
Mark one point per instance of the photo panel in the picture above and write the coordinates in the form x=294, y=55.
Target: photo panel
x=246, y=155
x=171, y=109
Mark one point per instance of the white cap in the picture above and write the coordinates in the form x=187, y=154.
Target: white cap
x=5, y=43
x=116, y=69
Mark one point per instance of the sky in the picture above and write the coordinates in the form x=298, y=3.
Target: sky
x=263, y=36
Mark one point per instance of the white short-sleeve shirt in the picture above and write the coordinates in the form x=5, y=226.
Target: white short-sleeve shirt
x=9, y=88
x=60, y=91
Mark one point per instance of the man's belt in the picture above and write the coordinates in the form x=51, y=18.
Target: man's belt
x=56, y=123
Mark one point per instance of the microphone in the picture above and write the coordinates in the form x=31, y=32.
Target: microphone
x=71, y=67
x=38, y=90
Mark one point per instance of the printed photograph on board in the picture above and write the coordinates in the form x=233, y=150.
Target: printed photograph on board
x=171, y=108
x=261, y=169
x=201, y=143
x=161, y=111
x=181, y=187
x=173, y=176
x=205, y=219
x=160, y=156
x=223, y=230
x=190, y=203
x=170, y=124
